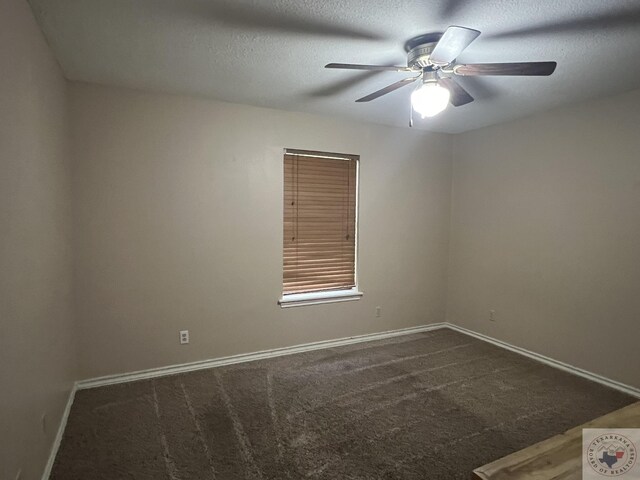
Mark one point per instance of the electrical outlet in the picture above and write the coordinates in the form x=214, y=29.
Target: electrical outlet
x=184, y=337
x=492, y=315
x=378, y=311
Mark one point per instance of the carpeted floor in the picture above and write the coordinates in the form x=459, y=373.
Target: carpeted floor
x=433, y=405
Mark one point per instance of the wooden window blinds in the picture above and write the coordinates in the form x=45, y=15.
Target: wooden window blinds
x=320, y=196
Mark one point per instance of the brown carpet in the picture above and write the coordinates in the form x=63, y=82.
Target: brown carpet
x=433, y=405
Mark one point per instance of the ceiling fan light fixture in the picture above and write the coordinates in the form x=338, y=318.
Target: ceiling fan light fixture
x=429, y=99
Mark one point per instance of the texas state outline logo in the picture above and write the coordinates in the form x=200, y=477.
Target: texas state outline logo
x=610, y=453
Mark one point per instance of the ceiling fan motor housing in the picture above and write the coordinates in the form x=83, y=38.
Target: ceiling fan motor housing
x=419, y=56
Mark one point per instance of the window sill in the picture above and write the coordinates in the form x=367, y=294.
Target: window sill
x=317, y=298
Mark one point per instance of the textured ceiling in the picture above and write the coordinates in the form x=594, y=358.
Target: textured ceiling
x=272, y=53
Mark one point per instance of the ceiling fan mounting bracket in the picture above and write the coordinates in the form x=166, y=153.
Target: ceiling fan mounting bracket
x=422, y=40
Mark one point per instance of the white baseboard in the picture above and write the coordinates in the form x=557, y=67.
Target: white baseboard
x=58, y=439
x=248, y=357
x=277, y=352
x=594, y=377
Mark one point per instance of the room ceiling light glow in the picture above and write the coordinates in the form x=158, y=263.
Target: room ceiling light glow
x=429, y=99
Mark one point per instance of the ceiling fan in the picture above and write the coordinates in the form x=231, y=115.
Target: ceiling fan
x=432, y=57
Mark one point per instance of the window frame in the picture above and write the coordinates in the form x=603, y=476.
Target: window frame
x=334, y=295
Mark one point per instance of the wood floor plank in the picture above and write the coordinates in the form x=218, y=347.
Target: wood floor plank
x=557, y=458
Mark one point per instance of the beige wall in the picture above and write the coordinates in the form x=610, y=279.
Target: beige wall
x=37, y=352
x=546, y=231
x=179, y=226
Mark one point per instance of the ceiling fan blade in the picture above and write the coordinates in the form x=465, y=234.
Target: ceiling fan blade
x=390, y=88
x=523, y=69
x=375, y=68
x=452, y=43
x=459, y=96
x=342, y=85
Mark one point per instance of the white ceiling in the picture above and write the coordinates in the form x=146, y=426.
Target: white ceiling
x=272, y=53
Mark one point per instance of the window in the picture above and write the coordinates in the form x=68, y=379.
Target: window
x=320, y=228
